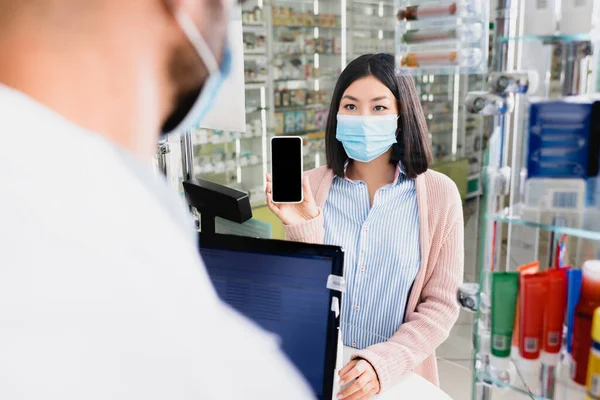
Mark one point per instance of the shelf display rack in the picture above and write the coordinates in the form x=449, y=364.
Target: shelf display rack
x=515, y=229
x=294, y=50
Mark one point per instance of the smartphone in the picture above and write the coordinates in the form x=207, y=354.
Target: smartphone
x=287, y=168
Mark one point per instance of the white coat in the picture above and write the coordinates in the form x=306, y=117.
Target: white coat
x=102, y=292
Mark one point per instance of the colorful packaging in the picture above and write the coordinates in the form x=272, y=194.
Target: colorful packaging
x=321, y=117
x=279, y=123
x=531, y=268
x=574, y=278
x=290, y=122
x=505, y=287
x=300, y=97
x=300, y=121
x=311, y=120
x=564, y=143
x=593, y=372
x=533, y=293
x=554, y=313
x=584, y=312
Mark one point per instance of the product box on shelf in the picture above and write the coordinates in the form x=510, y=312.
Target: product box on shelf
x=308, y=18
x=540, y=17
x=442, y=36
x=279, y=123
x=252, y=17
x=300, y=97
x=287, y=16
x=563, y=157
x=577, y=16
x=321, y=118
x=311, y=120
x=300, y=121
x=289, y=122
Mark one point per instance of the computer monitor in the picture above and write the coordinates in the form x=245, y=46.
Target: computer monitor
x=282, y=286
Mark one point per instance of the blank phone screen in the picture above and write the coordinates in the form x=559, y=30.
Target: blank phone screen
x=286, y=156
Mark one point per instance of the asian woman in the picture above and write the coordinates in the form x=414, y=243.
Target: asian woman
x=400, y=224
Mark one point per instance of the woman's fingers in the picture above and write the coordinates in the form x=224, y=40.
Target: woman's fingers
x=352, y=373
x=269, y=177
x=347, y=368
x=359, y=389
x=272, y=206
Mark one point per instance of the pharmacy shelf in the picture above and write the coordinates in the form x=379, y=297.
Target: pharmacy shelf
x=309, y=79
x=258, y=24
x=302, y=133
x=252, y=28
x=300, y=55
x=589, y=228
x=373, y=29
x=526, y=382
x=255, y=85
x=307, y=27
x=228, y=142
x=548, y=38
x=374, y=3
x=256, y=52
x=317, y=106
x=255, y=57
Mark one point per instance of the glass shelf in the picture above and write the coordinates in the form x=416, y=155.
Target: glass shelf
x=300, y=55
x=311, y=27
x=300, y=107
x=548, y=38
x=585, y=225
x=526, y=382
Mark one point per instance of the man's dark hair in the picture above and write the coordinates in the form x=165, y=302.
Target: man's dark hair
x=413, y=147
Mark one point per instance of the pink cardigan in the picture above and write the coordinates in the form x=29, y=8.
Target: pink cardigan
x=432, y=308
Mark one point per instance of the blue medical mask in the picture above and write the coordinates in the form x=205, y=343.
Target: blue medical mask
x=366, y=138
x=189, y=112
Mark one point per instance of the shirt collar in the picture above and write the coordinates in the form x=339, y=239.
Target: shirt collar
x=400, y=172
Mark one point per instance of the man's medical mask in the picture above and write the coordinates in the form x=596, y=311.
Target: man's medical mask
x=366, y=138
x=191, y=109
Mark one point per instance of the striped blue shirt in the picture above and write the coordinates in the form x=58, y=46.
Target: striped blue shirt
x=382, y=254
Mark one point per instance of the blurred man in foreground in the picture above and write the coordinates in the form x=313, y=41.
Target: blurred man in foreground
x=102, y=292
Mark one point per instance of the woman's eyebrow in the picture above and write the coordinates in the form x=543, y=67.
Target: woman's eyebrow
x=380, y=98
x=350, y=97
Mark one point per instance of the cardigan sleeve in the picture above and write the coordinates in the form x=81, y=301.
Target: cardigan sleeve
x=428, y=327
x=312, y=231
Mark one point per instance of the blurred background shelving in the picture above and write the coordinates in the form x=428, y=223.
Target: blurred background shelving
x=294, y=51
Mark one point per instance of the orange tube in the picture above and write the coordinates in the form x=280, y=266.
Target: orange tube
x=556, y=307
x=532, y=299
x=588, y=302
x=531, y=268
x=423, y=59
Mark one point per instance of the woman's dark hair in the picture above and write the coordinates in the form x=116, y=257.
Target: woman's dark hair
x=412, y=148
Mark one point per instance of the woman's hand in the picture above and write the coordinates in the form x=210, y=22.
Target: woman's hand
x=293, y=214
x=366, y=383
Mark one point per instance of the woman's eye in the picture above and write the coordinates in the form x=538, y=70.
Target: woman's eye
x=380, y=108
x=350, y=107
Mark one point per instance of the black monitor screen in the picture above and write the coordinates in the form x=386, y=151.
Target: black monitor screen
x=285, y=294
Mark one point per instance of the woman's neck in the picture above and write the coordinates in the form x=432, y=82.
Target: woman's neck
x=378, y=172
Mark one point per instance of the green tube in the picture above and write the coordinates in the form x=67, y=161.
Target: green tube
x=505, y=288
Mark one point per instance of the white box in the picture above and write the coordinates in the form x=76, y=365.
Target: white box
x=540, y=17
x=576, y=16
